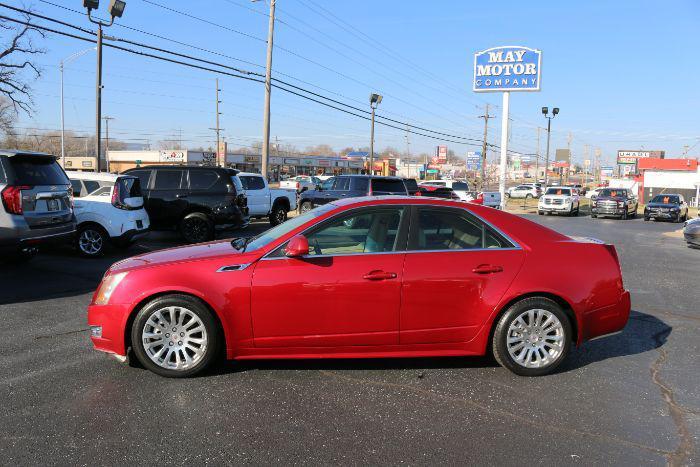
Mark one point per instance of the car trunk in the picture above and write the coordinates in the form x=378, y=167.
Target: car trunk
x=44, y=190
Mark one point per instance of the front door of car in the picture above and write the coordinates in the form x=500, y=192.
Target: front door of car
x=167, y=199
x=258, y=196
x=456, y=270
x=345, y=292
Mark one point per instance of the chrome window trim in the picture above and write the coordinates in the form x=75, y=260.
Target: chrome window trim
x=516, y=245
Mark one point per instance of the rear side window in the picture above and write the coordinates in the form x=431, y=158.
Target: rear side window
x=142, y=175
x=90, y=186
x=202, y=179
x=461, y=186
x=453, y=229
x=252, y=182
x=168, y=180
x=360, y=184
x=388, y=186
x=33, y=170
x=77, y=187
x=411, y=184
x=342, y=184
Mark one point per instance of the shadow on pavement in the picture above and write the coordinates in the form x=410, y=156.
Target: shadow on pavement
x=643, y=333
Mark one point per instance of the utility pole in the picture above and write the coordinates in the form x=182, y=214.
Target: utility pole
x=268, y=89
x=484, y=146
x=107, y=119
x=597, y=166
x=220, y=158
x=98, y=98
x=568, y=147
x=585, y=158
x=537, y=157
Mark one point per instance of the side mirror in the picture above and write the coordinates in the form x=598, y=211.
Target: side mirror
x=297, y=247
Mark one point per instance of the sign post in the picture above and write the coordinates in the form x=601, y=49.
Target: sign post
x=505, y=69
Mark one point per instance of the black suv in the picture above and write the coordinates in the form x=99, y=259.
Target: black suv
x=350, y=186
x=193, y=200
x=670, y=207
x=615, y=202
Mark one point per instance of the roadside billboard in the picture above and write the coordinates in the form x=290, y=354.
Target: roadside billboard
x=625, y=157
x=442, y=154
x=562, y=155
x=171, y=157
x=473, y=160
x=507, y=68
x=607, y=171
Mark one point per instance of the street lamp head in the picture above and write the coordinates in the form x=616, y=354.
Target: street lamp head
x=91, y=4
x=116, y=8
x=375, y=99
x=545, y=111
x=555, y=110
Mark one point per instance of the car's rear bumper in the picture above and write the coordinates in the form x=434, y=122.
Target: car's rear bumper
x=32, y=238
x=112, y=321
x=132, y=235
x=606, y=320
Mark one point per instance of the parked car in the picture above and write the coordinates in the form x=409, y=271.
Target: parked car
x=37, y=205
x=112, y=212
x=615, y=202
x=593, y=193
x=491, y=199
x=196, y=201
x=380, y=277
x=523, y=191
x=691, y=232
x=562, y=200
x=461, y=187
x=264, y=201
x=438, y=192
x=300, y=183
x=667, y=207
x=350, y=186
x=411, y=186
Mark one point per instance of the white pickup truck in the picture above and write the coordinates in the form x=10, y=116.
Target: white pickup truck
x=264, y=201
x=301, y=183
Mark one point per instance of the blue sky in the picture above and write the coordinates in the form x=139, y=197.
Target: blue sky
x=624, y=73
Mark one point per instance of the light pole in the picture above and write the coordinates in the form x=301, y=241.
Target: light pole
x=116, y=10
x=268, y=90
x=545, y=112
x=61, y=67
x=374, y=101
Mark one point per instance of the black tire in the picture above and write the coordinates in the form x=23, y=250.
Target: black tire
x=213, y=337
x=306, y=206
x=500, y=336
x=634, y=213
x=593, y=216
x=278, y=214
x=540, y=212
x=646, y=219
x=91, y=240
x=528, y=196
x=507, y=195
x=624, y=215
x=678, y=218
x=196, y=228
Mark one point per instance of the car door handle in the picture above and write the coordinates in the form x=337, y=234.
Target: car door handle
x=181, y=196
x=379, y=275
x=487, y=269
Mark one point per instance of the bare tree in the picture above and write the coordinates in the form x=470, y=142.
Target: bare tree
x=17, y=70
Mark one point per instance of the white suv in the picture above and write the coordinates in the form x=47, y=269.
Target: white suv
x=460, y=187
x=108, y=207
x=560, y=199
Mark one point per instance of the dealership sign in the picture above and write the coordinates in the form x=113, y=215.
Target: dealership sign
x=172, y=156
x=507, y=68
x=630, y=157
x=441, y=152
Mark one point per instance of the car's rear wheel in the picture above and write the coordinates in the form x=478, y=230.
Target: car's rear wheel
x=278, y=214
x=305, y=207
x=528, y=196
x=91, y=240
x=196, y=228
x=175, y=336
x=532, y=337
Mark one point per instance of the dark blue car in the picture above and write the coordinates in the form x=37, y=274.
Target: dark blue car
x=350, y=186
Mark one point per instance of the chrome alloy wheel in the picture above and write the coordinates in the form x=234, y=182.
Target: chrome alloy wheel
x=535, y=338
x=90, y=242
x=174, y=338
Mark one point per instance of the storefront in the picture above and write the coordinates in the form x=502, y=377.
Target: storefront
x=86, y=164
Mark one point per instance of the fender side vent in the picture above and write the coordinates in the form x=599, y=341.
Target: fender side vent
x=232, y=267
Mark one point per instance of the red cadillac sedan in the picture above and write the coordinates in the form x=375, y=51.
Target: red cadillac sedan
x=366, y=277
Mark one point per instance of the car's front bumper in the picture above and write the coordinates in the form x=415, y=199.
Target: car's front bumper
x=666, y=215
x=555, y=207
x=112, y=320
x=608, y=211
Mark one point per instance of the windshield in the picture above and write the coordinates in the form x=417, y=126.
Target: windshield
x=558, y=191
x=665, y=199
x=612, y=193
x=37, y=170
x=284, y=228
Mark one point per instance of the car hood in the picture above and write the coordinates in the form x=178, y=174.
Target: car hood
x=614, y=198
x=662, y=205
x=201, y=251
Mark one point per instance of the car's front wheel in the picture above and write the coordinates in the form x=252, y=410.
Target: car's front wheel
x=532, y=337
x=175, y=336
x=196, y=228
x=278, y=214
x=305, y=207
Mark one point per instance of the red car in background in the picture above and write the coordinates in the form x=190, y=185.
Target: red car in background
x=390, y=276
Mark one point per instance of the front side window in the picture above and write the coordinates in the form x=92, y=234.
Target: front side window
x=454, y=229
x=366, y=231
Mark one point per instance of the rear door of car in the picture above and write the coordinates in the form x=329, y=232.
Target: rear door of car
x=457, y=269
x=167, y=198
x=44, y=189
x=206, y=189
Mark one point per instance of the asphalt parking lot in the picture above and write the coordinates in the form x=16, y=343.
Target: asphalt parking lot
x=627, y=399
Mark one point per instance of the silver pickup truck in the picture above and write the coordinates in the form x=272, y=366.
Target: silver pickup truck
x=263, y=201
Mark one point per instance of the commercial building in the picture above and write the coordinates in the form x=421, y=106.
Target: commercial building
x=658, y=176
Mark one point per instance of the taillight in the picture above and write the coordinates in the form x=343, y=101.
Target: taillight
x=116, y=198
x=417, y=193
x=70, y=196
x=298, y=186
x=12, y=198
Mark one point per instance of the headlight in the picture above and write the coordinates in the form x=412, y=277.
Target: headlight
x=621, y=204
x=107, y=287
x=567, y=200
